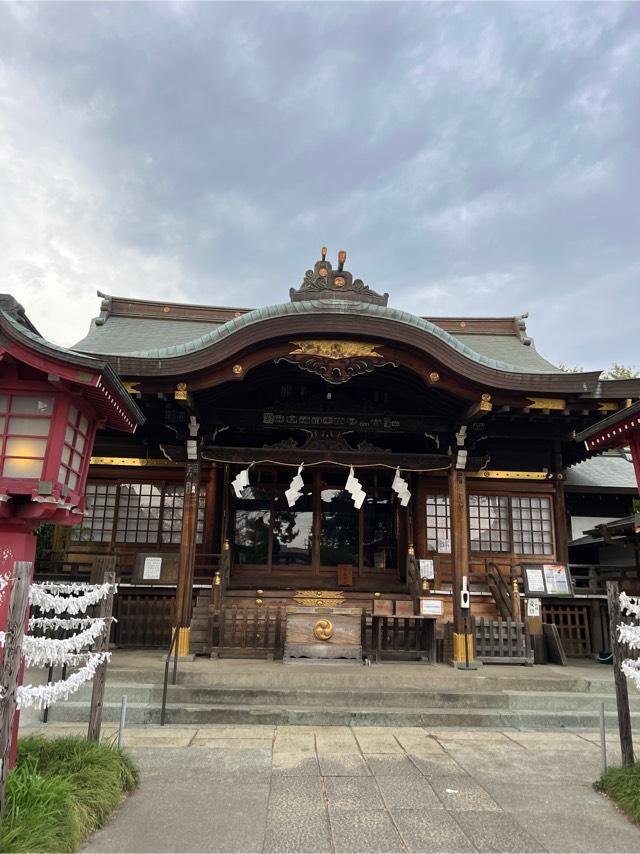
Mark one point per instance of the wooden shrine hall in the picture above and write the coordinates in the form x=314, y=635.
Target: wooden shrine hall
x=431, y=455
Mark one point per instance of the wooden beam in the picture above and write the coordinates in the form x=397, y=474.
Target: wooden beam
x=295, y=456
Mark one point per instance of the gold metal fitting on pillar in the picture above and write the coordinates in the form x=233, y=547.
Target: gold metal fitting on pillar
x=217, y=579
x=376, y=595
x=411, y=551
x=259, y=602
x=184, y=633
x=259, y=592
x=226, y=546
x=424, y=585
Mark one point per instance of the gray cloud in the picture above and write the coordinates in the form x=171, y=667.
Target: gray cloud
x=472, y=158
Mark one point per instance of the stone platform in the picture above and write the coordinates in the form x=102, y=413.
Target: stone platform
x=269, y=693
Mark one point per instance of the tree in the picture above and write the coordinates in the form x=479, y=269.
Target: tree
x=620, y=372
x=615, y=371
x=570, y=369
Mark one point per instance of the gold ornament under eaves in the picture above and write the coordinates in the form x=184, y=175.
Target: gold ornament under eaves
x=335, y=349
x=319, y=598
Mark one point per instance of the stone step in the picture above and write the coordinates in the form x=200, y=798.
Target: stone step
x=143, y=713
x=566, y=701
x=377, y=677
x=310, y=698
x=359, y=698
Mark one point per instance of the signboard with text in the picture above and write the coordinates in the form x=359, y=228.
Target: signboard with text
x=547, y=579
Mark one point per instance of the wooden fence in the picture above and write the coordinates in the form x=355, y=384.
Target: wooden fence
x=402, y=638
x=572, y=622
x=502, y=642
x=251, y=631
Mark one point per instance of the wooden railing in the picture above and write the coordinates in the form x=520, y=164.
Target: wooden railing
x=502, y=642
x=403, y=638
x=252, y=631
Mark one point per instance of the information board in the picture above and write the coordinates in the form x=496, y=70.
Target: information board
x=547, y=579
x=430, y=607
x=152, y=568
x=426, y=569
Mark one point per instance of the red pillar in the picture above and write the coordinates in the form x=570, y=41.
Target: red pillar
x=635, y=456
x=14, y=546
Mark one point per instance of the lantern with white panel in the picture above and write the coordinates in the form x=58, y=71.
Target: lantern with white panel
x=52, y=401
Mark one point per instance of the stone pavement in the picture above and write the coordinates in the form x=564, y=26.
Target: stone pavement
x=364, y=789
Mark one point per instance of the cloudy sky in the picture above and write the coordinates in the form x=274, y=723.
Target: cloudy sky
x=478, y=159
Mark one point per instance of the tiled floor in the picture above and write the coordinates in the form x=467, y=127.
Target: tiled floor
x=367, y=789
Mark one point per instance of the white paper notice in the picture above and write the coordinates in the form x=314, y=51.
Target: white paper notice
x=535, y=581
x=533, y=608
x=431, y=607
x=152, y=568
x=426, y=569
x=555, y=575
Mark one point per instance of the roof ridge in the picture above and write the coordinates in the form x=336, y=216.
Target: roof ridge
x=333, y=306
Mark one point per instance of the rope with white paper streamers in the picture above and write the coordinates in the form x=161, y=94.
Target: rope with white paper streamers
x=39, y=651
x=71, y=604
x=629, y=634
x=630, y=604
x=42, y=696
x=63, y=622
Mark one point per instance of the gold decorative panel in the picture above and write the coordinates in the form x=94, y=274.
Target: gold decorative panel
x=319, y=598
x=335, y=349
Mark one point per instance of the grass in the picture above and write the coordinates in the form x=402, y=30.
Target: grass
x=60, y=791
x=622, y=785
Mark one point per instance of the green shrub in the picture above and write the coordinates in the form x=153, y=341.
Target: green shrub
x=60, y=791
x=623, y=786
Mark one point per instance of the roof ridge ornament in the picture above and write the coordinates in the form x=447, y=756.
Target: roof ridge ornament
x=323, y=282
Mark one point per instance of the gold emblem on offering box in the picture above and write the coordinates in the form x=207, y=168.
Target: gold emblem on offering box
x=323, y=630
x=335, y=349
x=319, y=598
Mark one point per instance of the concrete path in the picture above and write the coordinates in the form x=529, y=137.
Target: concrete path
x=368, y=789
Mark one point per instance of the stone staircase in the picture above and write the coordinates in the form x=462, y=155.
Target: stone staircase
x=250, y=692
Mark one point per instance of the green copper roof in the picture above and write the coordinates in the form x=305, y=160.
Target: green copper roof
x=251, y=318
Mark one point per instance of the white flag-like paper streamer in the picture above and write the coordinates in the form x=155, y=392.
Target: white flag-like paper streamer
x=295, y=488
x=354, y=488
x=241, y=482
x=401, y=488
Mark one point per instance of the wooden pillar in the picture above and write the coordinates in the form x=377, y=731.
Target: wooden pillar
x=562, y=535
x=462, y=639
x=184, y=591
x=420, y=516
x=622, y=695
x=12, y=668
x=100, y=678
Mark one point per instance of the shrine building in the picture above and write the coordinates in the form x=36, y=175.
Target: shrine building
x=432, y=453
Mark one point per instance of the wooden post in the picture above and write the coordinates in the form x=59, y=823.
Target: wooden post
x=622, y=695
x=100, y=678
x=186, y=563
x=11, y=665
x=516, y=606
x=462, y=636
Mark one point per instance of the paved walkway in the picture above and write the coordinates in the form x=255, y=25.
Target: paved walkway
x=369, y=789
